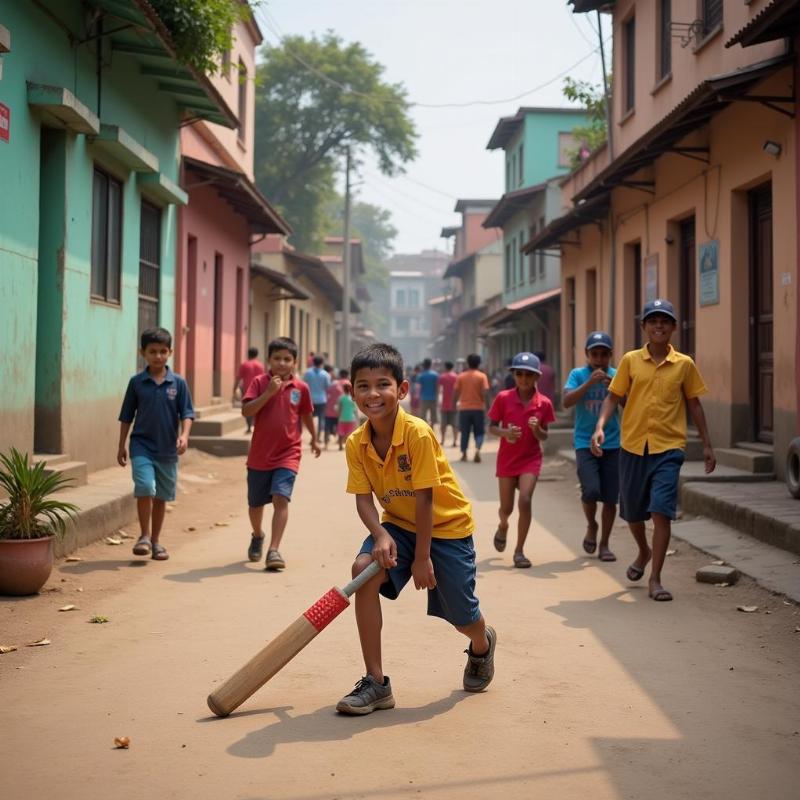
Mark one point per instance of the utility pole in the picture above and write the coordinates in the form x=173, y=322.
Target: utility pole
x=612, y=234
x=344, y=359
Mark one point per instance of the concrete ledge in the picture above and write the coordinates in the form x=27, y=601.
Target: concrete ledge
x=219, y=424
x=230, y=445
x=764, y=511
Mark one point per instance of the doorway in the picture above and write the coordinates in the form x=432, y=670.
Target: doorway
x=191, y=310
x=217, y=354
x=761, y=312
x=688, y=286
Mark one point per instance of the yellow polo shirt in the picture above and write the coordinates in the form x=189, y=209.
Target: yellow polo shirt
x=655, y=412
x=414, y=461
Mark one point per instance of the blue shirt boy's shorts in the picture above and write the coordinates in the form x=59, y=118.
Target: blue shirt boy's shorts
x=263, y=483
x=599, y=476
x=649, y=484
x=454, y=598
x=153, y=478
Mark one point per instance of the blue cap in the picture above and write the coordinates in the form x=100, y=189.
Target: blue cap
x=526, y=361
x=599, y=339
x=658, y=306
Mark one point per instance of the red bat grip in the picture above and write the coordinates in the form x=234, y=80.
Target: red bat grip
x=326, y=609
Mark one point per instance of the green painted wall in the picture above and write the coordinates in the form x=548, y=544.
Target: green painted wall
x=62, y=352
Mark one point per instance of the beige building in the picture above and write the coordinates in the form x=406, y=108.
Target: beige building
x=698, y=205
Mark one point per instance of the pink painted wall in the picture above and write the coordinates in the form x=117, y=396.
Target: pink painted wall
x=473, y=236
x=217, y=230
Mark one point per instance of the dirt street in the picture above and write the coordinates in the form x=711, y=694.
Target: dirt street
x=599, y=691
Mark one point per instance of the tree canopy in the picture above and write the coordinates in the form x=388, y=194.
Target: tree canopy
x=313, y=97
x=590, y=136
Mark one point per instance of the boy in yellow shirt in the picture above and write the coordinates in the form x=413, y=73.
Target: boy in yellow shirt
x=425, y=532
x=660, y=383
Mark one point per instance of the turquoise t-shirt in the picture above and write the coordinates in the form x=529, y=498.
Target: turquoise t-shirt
x=587, y=410
x=347, y=409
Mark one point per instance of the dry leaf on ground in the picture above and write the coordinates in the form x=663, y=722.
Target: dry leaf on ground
x=38, y=643
x=747, y=609
x=98, y=618
x=112, y=540
x=73, y=558
x=67, y=608
x=124, y=535
x=222, y=524
x=7, y=648
x=718, y=563
x=671, y=552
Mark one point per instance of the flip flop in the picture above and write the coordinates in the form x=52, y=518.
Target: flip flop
x=159, y=552
x=634, y=573
x=589, y=545
x=606, y=555
x=143, y=547
x=661, y=595
x=521, y=561
x=499, y=541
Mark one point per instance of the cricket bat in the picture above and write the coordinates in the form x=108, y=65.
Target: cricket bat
x=285, y=646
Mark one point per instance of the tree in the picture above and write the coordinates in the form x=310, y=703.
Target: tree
x=591, y=136
x=314, y=96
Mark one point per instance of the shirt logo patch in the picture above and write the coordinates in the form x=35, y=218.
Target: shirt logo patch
x=172, y=392
x=294, y=397
x=403, y=464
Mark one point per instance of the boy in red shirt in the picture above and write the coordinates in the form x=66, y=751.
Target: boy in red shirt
x=519, y=416
x=248, y=370
x=279, y=402
x=447, y=383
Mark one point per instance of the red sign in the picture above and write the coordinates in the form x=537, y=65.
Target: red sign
x=5, y=123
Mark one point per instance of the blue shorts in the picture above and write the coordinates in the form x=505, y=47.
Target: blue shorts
x=454, y=598
x=649, y=484
x=154, y=478
x=599, y=477
x=263, y=483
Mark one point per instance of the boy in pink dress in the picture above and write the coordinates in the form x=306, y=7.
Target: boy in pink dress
x=519, y=416
x=447, y=383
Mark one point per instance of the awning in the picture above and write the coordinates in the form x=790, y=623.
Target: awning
x=518, y=307
x=316, y=271
x=777, y=20
x=581, y=6
x=695, y=110
x=549, y=237
x=291, y=289
x=455, y=269
x=241, y=194
x=135, y=29
x=510, y=204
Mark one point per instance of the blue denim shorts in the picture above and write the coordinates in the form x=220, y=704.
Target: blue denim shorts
x=263, y=483
x=599, y=477
x=454, y=598
x=153, y=478
x=649, y=484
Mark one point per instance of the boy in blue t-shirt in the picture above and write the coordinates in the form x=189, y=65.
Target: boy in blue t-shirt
x=586, y=388
x=429, y=392
x=158, y=404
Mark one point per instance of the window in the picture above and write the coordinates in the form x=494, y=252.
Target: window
x=520, y=164
x=400, y=298
x=508, y=266
x=242, y=130
x=531, y=256
x=401, y=324
x=541, y=252
x=566, y=147
x=711, y=15
x=413, y=298
x=629, y=55
x=106, y=237
x=508, y=174
x=513, y=167
x=664, y=38
x=226, y=64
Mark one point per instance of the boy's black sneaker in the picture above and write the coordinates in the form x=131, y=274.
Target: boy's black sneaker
x=367, y=696
x=479, y=671
x=256, y=548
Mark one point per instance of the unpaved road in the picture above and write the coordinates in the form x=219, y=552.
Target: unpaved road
x=599, y=691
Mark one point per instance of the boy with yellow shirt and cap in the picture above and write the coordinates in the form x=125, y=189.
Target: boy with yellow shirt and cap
x=660, y=383
x=425, y=532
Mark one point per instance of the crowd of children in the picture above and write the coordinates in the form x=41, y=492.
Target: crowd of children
x=425, y=530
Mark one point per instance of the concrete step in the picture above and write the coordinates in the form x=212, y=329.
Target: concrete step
x=748, y=460
x=219, y=424
x=203, y=412
x=694, y=449
x=75, y=470
x=758, y=447
x=765, y=511
x=231, y=444
x=50, y=458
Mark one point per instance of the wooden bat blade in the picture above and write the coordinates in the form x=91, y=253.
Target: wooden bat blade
x=261, y=667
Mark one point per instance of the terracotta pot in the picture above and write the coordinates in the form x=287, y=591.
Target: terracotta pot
x=25, y=564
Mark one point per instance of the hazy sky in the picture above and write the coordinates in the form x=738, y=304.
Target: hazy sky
x=451, y=51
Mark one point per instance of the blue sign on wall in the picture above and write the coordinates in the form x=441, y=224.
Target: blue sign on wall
x=708, y=266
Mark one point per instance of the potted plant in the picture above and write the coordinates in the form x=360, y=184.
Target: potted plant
x=29, y=519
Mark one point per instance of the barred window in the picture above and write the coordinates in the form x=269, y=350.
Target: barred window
x=106, y=237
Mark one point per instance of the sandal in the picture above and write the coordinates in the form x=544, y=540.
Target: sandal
x=159, y=552
x=499, y=541
x=661, y=595
x=589, y=545
x=275, y=560
x=606, y=555
x=634, y=572
x=143, y=547
x=521, y=561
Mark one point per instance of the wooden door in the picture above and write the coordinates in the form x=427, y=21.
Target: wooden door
x=688, y=286
x=761, y=312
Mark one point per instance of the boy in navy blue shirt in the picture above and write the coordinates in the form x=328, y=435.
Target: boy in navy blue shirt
x=586, y=388
x=159, y=402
